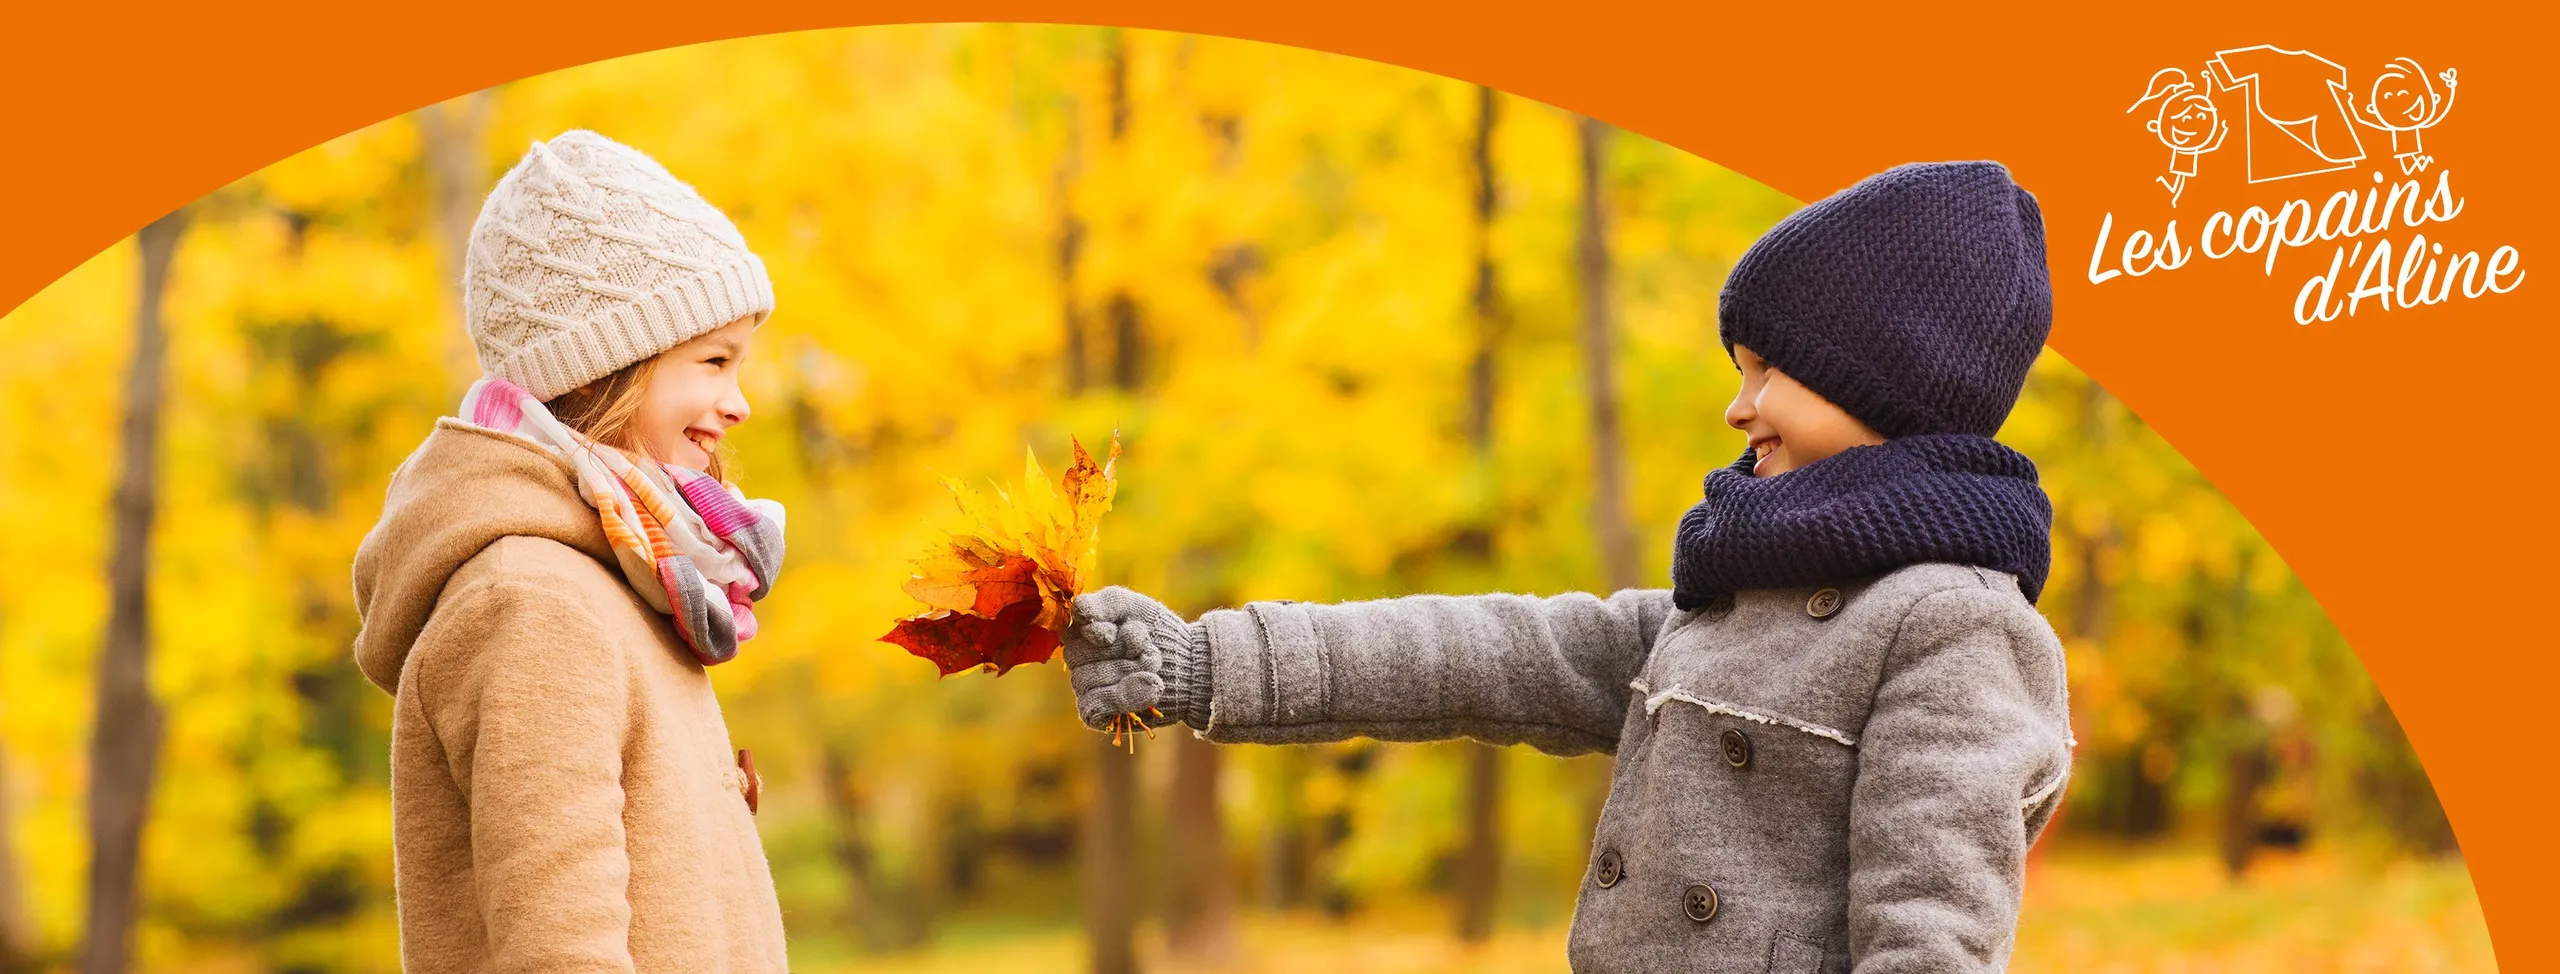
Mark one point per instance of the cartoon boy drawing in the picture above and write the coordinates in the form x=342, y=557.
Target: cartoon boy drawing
x=2405, y=103
x=2185, y=121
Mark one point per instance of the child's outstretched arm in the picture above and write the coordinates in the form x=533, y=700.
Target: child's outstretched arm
x=1549, y=672
x=1961, y=763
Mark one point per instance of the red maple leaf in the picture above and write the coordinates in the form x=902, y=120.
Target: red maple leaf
x=957, y=641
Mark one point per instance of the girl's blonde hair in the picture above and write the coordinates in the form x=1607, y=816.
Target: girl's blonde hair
x=604, y=409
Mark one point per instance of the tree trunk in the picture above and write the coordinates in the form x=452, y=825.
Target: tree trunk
x=125, y=751
x=452, y=131
x=1608, y=441
x=1200, y=888
x=1285, y=848
x=1479, y=871
x=2143, y=810
x=891, y=901
x=1111, y=819
x=2245, y=772
x=2395, y=785
x=2252, y=768
x=17, y=938
x=1200, y=900
x=1070, y=249
x=1128, y=344
x=1479, y=866
x=877, y=913
x=851, y=847
x=1488, y=295
x=2093, y=609
x=1110, y=860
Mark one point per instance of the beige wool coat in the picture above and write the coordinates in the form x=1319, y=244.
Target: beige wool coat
x=564, y=793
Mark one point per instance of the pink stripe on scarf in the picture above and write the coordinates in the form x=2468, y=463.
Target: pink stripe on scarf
x=742, y=609
x=720, y=512
x=501, y=406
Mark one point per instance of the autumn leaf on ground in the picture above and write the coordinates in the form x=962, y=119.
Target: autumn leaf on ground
x=999, y=595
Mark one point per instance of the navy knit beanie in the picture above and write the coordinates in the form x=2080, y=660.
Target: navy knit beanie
x=1915, y=300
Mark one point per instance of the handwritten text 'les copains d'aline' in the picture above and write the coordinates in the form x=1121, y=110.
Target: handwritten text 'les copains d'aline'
x=2422, y=275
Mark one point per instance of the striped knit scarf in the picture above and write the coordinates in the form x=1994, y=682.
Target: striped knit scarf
x=693, y=547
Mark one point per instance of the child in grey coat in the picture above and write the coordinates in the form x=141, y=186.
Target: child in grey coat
x=1840, y=730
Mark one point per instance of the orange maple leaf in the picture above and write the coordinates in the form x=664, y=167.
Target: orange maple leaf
x=1000, y=594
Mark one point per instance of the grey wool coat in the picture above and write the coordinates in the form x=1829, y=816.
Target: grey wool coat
x=1809, y=780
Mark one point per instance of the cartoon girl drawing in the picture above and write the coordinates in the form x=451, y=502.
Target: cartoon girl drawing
x=2405, y=103
x=2185, y=121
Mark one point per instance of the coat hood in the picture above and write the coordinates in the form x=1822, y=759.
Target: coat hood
x=462, y=490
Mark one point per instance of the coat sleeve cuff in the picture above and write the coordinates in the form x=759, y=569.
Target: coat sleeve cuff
x=1267, y=666
x=1188, y=676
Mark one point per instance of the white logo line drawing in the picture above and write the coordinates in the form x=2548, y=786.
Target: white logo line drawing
x=2186, y=121
x=2405, y=103
x=2300, y=119
x=2296, y=115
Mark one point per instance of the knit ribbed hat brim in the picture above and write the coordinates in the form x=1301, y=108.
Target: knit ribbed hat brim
x=678, y=311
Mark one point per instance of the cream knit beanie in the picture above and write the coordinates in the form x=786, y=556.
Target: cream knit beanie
x=589, y=256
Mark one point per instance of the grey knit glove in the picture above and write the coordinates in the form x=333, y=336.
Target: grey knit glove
x=1127, y=652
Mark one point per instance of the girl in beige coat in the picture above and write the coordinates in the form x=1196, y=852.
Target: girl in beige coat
x=554, y=568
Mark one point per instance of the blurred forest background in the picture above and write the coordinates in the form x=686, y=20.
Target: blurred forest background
x=1365, y=332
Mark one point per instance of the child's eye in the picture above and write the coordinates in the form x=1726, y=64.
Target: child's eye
x=718, y=360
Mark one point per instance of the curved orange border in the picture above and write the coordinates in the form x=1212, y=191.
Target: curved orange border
x=2374, y=452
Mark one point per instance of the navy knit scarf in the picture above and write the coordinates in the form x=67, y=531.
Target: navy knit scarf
x=1952, y=497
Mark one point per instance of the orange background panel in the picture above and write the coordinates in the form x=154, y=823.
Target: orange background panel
x=2392, y=457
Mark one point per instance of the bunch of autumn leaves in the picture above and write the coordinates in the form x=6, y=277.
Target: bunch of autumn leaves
x=1000, y=591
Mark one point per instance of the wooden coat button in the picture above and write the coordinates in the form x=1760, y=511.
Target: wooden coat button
x=754, y=785
x=1823, y=603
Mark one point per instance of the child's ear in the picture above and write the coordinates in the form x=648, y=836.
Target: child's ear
x=2151, y=126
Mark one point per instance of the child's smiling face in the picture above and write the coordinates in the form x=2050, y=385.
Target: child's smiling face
x=693, y=397
x=1789, y=425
